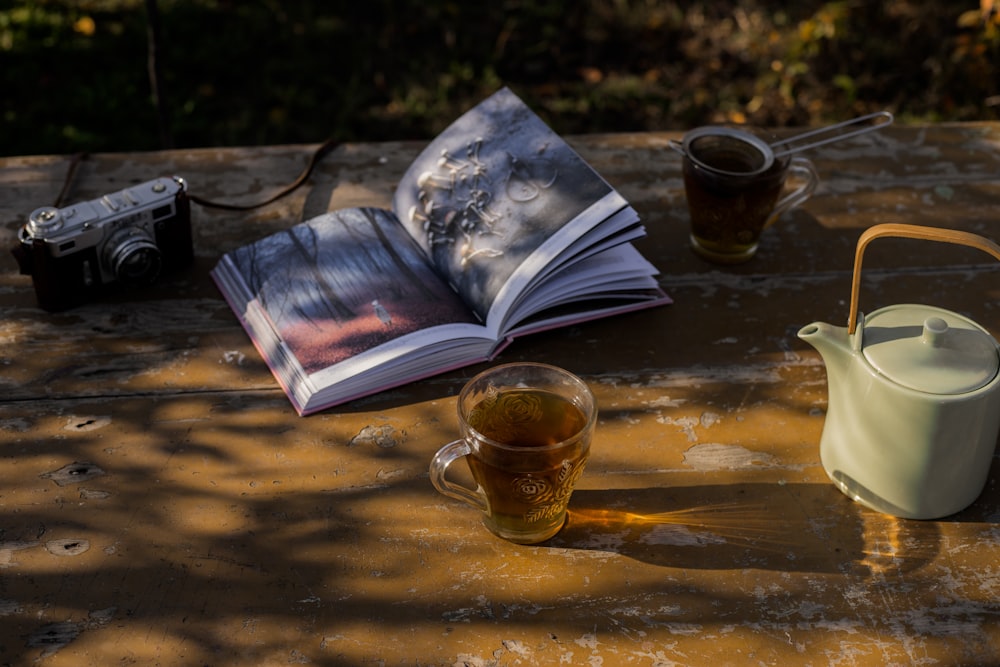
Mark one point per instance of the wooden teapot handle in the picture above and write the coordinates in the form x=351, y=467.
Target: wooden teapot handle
x=910, y=232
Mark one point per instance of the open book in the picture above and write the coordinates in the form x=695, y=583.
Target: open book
x=498, y=229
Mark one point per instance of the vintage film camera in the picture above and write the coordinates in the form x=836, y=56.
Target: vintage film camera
x=125, y=238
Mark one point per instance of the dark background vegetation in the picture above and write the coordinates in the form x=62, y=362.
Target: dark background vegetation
x=77, y=74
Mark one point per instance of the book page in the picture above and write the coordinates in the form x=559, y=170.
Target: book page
x=343, y=283
x=491, y=190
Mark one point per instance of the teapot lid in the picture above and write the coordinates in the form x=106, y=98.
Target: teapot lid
x=930, y=349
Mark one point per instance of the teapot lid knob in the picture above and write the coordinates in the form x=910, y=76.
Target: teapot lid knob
x=935, y=330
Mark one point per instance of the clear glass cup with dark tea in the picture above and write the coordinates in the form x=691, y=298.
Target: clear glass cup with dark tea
x=734, y=185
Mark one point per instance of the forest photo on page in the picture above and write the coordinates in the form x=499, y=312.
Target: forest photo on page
x=345, y=283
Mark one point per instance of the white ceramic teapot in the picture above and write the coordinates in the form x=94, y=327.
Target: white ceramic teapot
x=914, y=398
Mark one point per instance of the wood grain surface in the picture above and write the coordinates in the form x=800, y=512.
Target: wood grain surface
x=162, y=504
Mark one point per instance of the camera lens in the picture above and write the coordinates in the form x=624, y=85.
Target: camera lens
x=134, y=259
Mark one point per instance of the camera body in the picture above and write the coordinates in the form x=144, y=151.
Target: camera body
x=129, y=237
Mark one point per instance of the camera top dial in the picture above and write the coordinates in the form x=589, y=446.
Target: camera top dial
x=43, y=221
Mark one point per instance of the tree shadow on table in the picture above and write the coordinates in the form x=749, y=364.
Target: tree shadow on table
x=783, y=527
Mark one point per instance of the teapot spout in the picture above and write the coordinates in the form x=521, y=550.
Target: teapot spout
x=834, y=344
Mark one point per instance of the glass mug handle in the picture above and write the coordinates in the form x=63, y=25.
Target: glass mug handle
x=804, y=169
x=439, y=465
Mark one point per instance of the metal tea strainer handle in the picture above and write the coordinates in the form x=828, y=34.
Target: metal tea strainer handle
x=910, y=232
x=830, y=133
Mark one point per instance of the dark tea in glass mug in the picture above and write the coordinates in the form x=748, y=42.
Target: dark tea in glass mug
x=733, y=183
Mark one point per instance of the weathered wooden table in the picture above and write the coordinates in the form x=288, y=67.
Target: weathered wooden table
x=162, y=504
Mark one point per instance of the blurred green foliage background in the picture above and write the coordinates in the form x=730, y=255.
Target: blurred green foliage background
x=77, y=72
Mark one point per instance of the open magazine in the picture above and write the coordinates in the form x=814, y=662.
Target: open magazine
x=497, y=230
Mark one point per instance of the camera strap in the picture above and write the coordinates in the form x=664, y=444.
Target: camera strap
x=324, y=149
x=74, y=164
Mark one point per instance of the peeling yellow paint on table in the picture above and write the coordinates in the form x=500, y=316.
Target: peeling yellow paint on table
x=161, y=504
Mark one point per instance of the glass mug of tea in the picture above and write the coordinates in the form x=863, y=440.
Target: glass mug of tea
x=733, y=182
x=525, y=433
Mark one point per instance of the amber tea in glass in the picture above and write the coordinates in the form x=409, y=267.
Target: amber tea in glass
x=526, y=437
